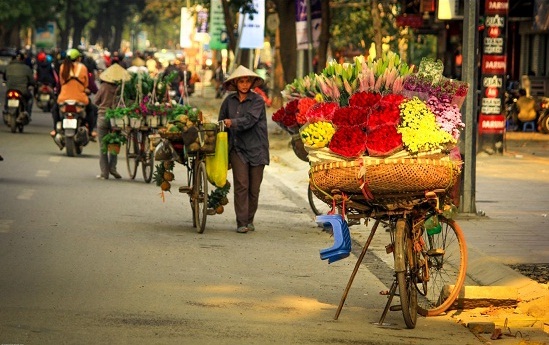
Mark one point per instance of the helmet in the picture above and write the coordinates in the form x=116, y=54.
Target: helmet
x=73, y=54
x=49, y=58
x=41, y=57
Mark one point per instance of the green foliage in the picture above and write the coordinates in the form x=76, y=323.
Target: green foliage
x=219, y=196
x=114, y=137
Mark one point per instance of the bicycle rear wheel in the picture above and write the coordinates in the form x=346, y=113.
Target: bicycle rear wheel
x=405, y=268
x=132, y=154
x=317, y=206
x=446, y=266
x=200, y=197
x=147, y=165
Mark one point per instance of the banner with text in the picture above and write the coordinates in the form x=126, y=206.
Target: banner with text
x=218, y=32
x=301, y=31
x=253, y=27
x=493, y=67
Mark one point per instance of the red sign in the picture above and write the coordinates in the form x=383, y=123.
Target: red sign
x=494, y=31
x=491, y=92
x=414, y=21
x=491, y=124
x=496, y=7
x=494, y=64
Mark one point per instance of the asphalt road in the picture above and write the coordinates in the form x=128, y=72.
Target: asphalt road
x=88, y=261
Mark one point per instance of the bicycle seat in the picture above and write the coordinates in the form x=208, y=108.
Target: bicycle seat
x=342, y=238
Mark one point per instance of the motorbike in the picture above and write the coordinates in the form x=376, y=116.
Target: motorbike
x=72, y=132
x=45, y=97
x=543, y=121
x=16, y=116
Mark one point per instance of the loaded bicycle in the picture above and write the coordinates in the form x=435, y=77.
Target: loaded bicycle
x=138, y=149
x=190, y=149
x=428, y=246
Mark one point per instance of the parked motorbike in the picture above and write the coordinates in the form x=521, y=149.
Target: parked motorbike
x=543, y=121
x=72, y=132
x=16, y=116
x=45, y=97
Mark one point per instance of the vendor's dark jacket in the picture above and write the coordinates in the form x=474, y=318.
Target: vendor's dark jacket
x=248, y=134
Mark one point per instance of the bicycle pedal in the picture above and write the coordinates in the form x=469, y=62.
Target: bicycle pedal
x=185, y=189
x=436, y=252
x=395, y=308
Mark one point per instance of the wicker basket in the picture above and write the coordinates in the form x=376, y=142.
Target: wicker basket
x=385, y=176
x=171, y=136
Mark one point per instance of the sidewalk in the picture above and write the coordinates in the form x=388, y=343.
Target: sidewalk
x=512, y=200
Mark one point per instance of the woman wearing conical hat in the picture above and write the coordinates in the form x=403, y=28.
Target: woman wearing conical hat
x=105, y=99
x=243, y=113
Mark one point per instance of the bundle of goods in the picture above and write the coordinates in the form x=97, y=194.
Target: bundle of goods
x=376, y=128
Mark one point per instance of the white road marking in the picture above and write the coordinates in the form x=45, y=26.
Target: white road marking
x=42, y=173
x=55, y=159
x=26, y=194
x=5, y=225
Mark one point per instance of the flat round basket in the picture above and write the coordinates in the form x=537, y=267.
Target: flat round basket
x=385, y=176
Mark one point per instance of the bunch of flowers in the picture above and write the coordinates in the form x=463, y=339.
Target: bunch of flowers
x=419, y=128
x=348, y=141
x=285, y=117
x=321, y=112
x=371, y=108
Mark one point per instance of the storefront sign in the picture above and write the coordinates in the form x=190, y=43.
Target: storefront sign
x=493, y=68
x=491, y=124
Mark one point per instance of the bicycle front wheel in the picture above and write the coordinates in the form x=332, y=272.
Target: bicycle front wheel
x=200, y=197
x=405, y=268
x=132, y=154
x=147, y=155
x=443, y=274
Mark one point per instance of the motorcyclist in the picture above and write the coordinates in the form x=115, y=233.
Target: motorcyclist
x=19, y=76
x=45, y=73
x=73, y=79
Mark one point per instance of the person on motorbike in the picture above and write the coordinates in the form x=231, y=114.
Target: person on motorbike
x=73, y=78
x=19, y=76
x=45, y=74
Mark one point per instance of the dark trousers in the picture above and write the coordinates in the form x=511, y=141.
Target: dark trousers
x=246, y=182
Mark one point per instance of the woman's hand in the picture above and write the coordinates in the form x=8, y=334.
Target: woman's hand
x=227, y=123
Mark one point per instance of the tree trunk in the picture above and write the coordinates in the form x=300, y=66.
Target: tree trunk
x=288, y=41
x=324, y=36
x=378, y=35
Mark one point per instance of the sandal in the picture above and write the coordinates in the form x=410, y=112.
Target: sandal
x=242, y=230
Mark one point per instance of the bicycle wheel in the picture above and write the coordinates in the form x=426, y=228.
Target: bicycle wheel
x=132, y=154
x=317, y=206
x=405, y=263
x=147, y=156
x=446, y=265
x=200, y=197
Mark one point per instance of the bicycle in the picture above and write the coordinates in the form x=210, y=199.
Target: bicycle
x=428, y=260
x=138, y=151
x=197, y=181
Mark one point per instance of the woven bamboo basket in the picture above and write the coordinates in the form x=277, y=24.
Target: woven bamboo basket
x=385, y=176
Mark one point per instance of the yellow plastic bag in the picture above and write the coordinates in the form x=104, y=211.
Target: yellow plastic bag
x=218, y=164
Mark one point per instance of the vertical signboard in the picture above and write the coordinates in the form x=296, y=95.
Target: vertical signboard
x=45, y=37
x=218, y=32
x=253, y=27
x=187, y=25
x=301, y=23
x=493, y=67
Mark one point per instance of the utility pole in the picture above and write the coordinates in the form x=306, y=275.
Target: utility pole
x=470, y=75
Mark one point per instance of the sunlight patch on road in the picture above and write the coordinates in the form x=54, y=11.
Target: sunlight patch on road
x=26, y=194
x=42, y=173
x=5, y=225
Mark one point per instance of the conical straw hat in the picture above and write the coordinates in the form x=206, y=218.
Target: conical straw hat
x=241, y=71
x=114, y=74
x=138, y=62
